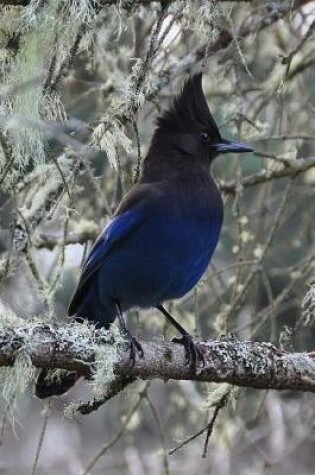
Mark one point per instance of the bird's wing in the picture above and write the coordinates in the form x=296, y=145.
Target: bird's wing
x=128, y=217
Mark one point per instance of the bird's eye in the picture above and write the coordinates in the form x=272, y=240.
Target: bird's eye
x=204, y=137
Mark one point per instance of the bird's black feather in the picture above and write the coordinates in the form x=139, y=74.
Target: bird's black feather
x=190, y=112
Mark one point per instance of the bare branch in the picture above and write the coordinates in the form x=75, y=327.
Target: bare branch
x=292, y=168
x=118, y=385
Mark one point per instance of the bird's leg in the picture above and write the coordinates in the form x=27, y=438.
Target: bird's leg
x=133, y=344
x=193, y=354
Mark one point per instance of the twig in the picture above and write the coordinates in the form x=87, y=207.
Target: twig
x=189, y=439
x=279, y=215
x=287, y=60
x=41, y=439
x=138, y=165
x=118, y=385
x=66, y=65
x=218, y=406
x=161, y=433
x=9, y=156
x=209, y=427
x=292, y=168
x=106, y=447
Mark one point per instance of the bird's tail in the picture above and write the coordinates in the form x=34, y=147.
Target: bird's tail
x=54, y=382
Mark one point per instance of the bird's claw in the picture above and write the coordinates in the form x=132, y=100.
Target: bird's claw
x=133, y=346
x=193, y=354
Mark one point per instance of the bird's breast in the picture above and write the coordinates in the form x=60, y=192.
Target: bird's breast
x=167, y=253
x=185, y=237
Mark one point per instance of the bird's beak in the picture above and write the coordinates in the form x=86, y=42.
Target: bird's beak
x=227, y=146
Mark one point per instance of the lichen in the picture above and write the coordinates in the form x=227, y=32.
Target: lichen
x=110, y=137
x=215, y=392
x=49, y=179
x=43, y=31
x=308, y=306
x=71, y=410
x=106, y=356
x=201, y=18
x=83, y=338
x=15, y=380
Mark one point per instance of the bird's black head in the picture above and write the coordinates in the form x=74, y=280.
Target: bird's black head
x=190, y=127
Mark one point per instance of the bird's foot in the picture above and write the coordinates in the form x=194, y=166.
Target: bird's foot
x=132, y=343
x=133, y=346
x=193, y=354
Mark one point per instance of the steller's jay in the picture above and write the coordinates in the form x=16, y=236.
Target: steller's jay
x=164, y=232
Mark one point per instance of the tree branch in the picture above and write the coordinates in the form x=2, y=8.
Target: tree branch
x=290, y=169
x=108, y=3
x=241, y=363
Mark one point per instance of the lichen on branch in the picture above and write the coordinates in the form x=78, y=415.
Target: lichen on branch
x=85, y=349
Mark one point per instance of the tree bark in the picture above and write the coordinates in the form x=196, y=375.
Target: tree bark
x=241, y=363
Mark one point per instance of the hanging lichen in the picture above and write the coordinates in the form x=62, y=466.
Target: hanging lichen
x=45, y=33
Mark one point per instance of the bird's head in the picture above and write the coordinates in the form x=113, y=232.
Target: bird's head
x=190, y=127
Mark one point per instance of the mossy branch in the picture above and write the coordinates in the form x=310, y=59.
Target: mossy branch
x=241, y=363
x=103, y=3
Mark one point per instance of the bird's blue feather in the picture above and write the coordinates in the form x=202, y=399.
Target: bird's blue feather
x=152, y=252
x=111, y=237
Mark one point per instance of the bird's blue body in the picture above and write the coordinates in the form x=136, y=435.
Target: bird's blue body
x=155, y=251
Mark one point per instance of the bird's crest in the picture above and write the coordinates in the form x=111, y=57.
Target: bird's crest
x=189, y=112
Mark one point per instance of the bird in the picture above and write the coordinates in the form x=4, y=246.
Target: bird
x=163, y=234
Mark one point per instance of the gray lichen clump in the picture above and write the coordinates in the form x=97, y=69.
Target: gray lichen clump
x=260, y=365
x=41, y=32
x=24, y=344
